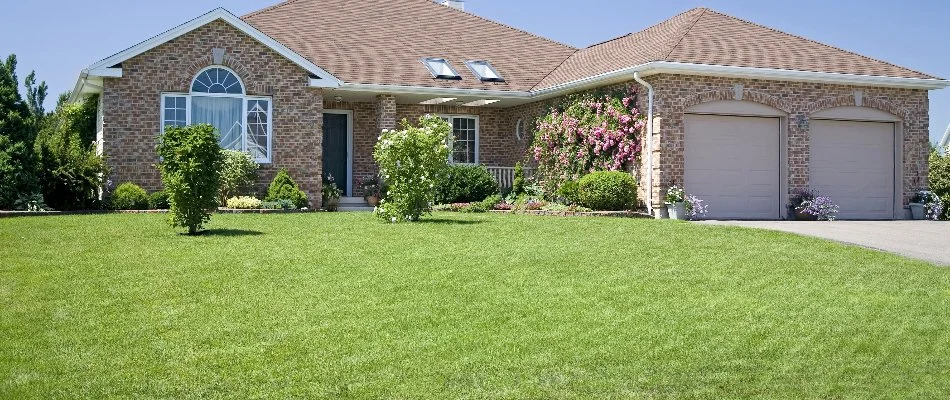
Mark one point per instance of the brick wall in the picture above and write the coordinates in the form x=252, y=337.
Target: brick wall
x=131, y=104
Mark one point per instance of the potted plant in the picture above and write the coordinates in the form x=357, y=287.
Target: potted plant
x=926, y=205
x=331, y=194
x=795, y=210
x=372, y=190
x=676, y=202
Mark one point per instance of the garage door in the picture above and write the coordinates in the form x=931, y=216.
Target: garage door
x=733, y=164
x=853, y=163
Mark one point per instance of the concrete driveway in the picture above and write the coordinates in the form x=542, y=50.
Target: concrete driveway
x=924, y=240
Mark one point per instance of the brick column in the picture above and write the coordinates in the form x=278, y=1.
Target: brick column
x=385, y=112
x=313, y=185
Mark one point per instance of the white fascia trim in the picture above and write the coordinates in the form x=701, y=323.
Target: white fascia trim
x=104, y=68
x=436, y=92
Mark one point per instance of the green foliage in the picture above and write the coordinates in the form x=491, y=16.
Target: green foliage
x=410, y=161
x=244, y=203
x=35, y=96
x=517, y=186
x=238, y=174
x=70, y=170
x=569, y=192
x=608, y=191
x=284, y=188
x=18, y=164
x=278, y=205
x=129, y=196
x=190, y=167
x=158, y=200
x=464, y=184
x=940, y=179
x=330, y=190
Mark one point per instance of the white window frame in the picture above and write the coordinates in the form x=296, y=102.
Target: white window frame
x=471, y=64
x=244, y=100
x=478, y=130
x=435, y=74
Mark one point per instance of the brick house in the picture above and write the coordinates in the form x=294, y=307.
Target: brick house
x=740, y=114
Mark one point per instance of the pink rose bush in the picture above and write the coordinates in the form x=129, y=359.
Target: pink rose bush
x=590, y=133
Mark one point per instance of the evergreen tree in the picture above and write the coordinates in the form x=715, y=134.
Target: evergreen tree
x=17, y=136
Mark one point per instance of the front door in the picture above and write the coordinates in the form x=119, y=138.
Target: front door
x=334, y=150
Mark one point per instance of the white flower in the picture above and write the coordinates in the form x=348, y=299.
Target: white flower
x=394, y=220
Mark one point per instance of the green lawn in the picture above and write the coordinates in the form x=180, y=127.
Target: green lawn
x=339, y=305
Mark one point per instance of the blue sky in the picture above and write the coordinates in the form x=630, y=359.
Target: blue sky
x=58, y=38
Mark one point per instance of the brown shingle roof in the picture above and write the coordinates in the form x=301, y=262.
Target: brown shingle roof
x=703, y=36
x=382, y=42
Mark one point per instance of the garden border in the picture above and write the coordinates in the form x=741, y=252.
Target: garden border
x=12, y=214
x=615, y=214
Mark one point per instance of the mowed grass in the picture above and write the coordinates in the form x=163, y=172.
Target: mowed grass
x=341, y=305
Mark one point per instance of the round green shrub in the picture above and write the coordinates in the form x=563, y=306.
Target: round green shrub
x=284, y=188
x=190, y=168
x=607, y=191
x=568, y=192
x=464, y=184
x=129, y=196
x=158, y=200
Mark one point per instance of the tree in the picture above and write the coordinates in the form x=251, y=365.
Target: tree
x=35, y=96
x=409, y=161
x=191, y=161
x=70, y=169
x=18, y=166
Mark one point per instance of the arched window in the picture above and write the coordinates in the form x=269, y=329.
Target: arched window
x=218, y=98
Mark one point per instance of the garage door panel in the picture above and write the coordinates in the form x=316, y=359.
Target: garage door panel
x=733, y=164
x=853, y=163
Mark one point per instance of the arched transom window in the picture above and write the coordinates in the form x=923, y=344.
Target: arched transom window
x=218, y=98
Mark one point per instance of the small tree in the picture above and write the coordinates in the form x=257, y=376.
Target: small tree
x=191, y=161
x=940, y=178
x=238, y=174
x=284, y=188
x=409, y=161
x=18, y=164
x=517, y=186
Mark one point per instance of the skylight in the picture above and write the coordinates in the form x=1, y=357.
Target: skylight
x=440, y=68
x=484, y=71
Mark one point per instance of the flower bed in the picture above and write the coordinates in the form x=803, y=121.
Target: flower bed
x=619, y=214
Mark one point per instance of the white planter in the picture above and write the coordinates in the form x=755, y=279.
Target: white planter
x=677, y=210
x=917, y=211
x=661, y=213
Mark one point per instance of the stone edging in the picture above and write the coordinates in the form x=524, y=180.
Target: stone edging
x=616, y=214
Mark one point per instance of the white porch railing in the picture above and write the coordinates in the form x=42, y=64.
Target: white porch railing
x=505, y=176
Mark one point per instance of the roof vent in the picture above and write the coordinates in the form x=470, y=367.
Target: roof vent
x=456, y=4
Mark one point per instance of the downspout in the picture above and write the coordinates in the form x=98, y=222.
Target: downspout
x=636, y=77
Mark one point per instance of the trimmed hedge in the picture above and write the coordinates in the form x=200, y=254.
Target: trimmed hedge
x=284, y=188
x=158, y=200
x=607, y=191
x=129, y=196
x=464, y=184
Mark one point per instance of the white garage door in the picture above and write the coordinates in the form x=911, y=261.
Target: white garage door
x=733, y=164
x=853, y=163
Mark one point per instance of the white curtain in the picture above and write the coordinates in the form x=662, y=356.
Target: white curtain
x=224, y=113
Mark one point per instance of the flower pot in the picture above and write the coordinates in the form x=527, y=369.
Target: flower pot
x=917, y=211
x=799, y=215
x=677, y=210
x=661, y=213
x=373, y=201
x=331, y=204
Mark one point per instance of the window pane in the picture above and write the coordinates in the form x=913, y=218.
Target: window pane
x=173, y=114
x=463, y=147
x=224, y=113
x=258, y=121
x=217, y=80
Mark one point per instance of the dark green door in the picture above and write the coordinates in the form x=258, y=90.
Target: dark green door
x=334, y=150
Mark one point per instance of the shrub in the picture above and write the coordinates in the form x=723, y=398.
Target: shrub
x=284, y=188
x=158, y=200
x=238, y=174
x=191, y=161
x=568, y=192
x=608, y=191
x=409, y=161
x=464, y=184
x=244, y=203
x=70, y=170
x=278, y=205
x=129, y=196
x=517, y=185
x=940, y=179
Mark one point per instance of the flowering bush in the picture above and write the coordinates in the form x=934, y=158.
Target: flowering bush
x=244, y=203
x=821, y=207
x=409, y=161
x=933, y=205
x=695, y=207
x=588, y=133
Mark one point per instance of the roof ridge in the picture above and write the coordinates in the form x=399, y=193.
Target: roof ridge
x=702, y=12
x=266, y=9
x=823, y=44
x=498, y=23
x=555, y=68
